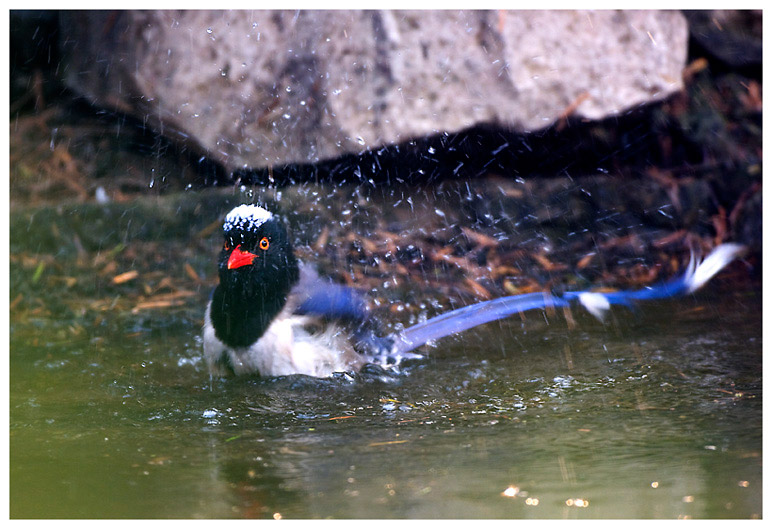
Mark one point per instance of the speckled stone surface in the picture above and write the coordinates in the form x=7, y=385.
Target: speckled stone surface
x=257, y=89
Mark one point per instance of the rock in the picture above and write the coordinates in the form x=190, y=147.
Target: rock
x=257, y=89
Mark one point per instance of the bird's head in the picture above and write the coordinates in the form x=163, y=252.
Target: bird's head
x=256, y=257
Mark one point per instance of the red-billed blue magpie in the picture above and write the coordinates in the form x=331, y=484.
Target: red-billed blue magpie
x=272, y=315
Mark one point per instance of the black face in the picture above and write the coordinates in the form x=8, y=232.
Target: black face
x=257, y=269
x=258, y=260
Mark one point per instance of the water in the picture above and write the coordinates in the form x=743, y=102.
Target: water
x=652, y=414
x=660, y=419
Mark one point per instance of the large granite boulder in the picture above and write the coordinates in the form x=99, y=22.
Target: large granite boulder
x=263, y=88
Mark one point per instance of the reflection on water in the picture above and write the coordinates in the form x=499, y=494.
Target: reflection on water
x=653, y=414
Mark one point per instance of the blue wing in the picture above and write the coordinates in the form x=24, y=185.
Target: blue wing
x=323, y=298
x=695, y=276
x=317, y=296
x=333, y=301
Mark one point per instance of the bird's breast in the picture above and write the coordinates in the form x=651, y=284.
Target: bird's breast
x=285, y=348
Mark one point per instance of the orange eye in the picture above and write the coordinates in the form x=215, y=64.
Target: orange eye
x=264, y=243
x=227, y=247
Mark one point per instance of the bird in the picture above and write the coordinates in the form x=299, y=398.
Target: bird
x=274, y=315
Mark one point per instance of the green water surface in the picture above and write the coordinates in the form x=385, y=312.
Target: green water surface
x=654, y=413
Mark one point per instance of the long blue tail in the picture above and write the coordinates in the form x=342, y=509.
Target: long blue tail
x=597, y=303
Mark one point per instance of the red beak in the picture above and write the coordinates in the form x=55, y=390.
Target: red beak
x=239, y=258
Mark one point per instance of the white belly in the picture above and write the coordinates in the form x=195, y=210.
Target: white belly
x=286, y=348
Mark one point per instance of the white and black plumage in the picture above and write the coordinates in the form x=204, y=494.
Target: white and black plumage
x=251, y=322
x=272, y=315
